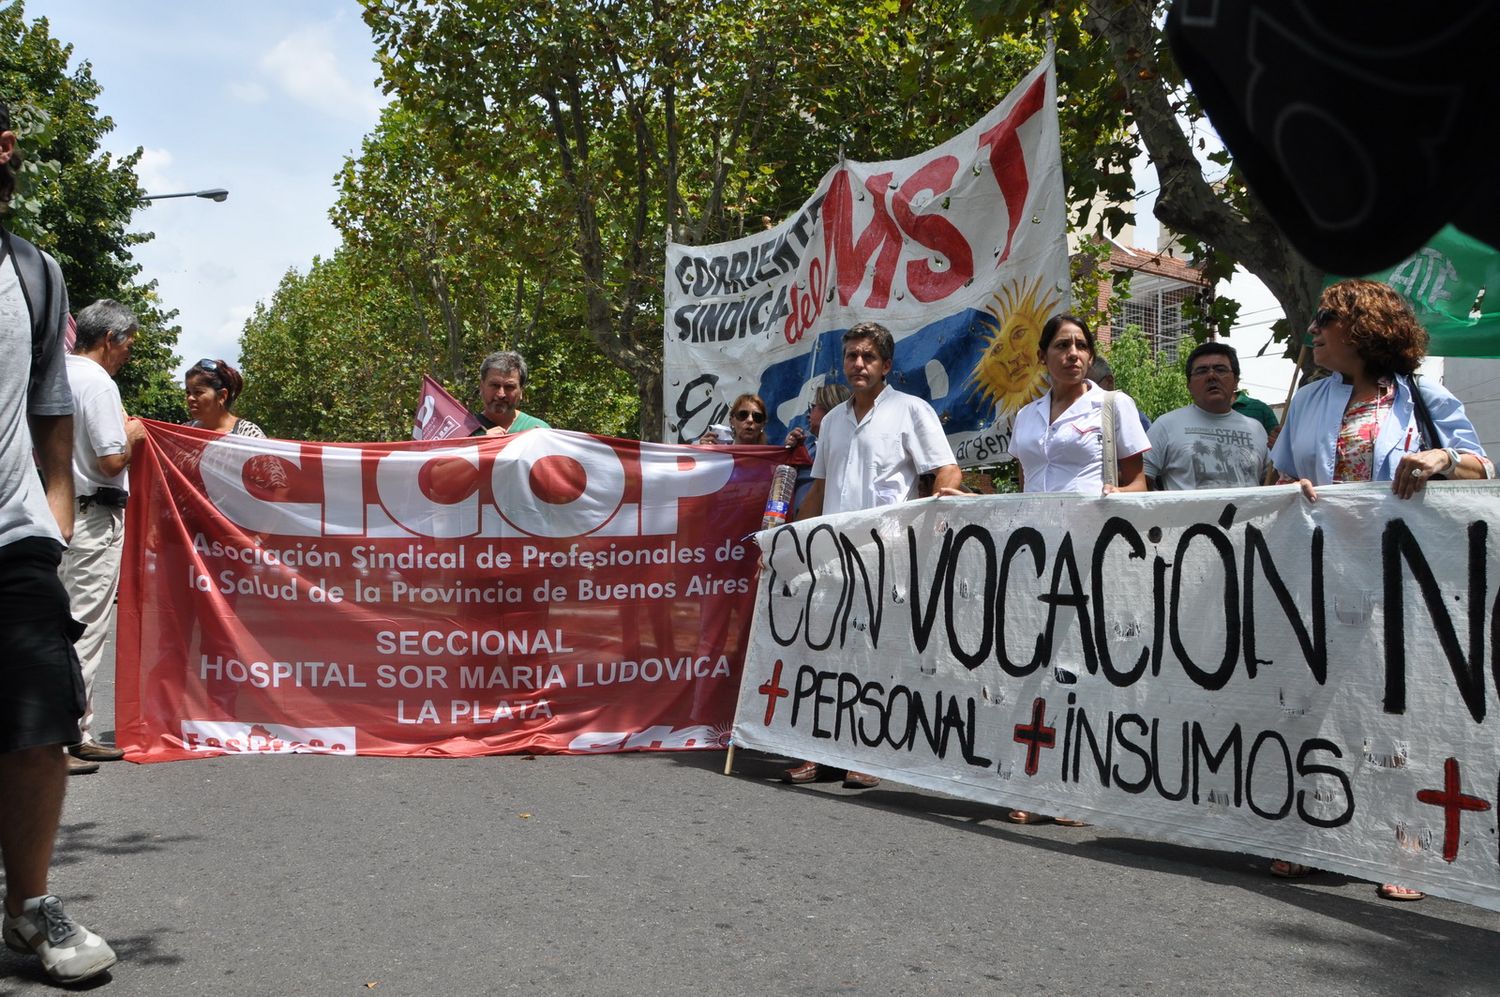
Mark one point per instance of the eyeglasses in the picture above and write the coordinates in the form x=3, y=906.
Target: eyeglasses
x=756, y=417
x=1223, y=370
x=1323, y=317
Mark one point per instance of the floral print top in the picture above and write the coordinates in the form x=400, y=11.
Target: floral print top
x=1354, y=450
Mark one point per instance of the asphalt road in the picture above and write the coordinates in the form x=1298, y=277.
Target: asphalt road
x=656, y=874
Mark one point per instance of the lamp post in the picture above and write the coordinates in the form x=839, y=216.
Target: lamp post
x=212, y=194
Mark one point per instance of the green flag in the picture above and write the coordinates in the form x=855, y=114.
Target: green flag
x=1442, y=281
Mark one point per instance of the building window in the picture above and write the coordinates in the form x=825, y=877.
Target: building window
x=1155, y=307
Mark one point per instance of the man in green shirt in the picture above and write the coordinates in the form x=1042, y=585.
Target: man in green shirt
x=502, y=382
x=1255, y=409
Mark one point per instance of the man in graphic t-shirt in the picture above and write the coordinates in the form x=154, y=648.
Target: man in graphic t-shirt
x=1207, y=444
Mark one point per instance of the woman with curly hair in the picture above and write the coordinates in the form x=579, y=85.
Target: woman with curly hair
x=1361, y=422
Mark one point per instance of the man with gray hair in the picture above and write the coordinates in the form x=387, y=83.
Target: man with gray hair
x=41, y=692
x=502, y=382
x=103, y=439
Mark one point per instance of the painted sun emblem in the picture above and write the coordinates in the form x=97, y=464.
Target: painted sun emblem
x=1008, y=373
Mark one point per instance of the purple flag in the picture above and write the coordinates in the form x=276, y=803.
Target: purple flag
x=439, y=414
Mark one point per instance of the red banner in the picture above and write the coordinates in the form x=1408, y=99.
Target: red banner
x=545, y=592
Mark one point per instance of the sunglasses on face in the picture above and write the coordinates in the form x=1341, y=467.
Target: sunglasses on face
x=756, y=417
x=1323, y=317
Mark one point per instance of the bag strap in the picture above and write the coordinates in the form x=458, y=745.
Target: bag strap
x=1426, y=428
x=1111, y=467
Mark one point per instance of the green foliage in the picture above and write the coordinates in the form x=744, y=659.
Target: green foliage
x=1157, y=385
x=1087, y=268
x=582, y=132
x=339, y=352
x=331, y=357
x=75, y=200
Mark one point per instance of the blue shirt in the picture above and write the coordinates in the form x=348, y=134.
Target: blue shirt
x=1305, y=448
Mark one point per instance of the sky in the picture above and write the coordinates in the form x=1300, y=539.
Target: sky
x=264, y=99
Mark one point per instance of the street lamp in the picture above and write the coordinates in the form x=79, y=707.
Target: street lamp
x=212, y=194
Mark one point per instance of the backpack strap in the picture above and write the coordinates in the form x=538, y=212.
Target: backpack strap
x=1111, y=468
x=35, y=279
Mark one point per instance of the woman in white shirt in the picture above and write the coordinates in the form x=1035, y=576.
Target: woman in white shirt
x=1059, y=439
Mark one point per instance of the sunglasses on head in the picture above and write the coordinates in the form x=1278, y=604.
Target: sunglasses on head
x=753, y=416
x=207, y=366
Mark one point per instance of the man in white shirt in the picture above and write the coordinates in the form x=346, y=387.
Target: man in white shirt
x=102, y=442
x=874, y=447
x=871, y=451
x=1207, y=444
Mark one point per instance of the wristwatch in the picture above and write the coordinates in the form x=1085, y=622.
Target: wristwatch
x=1453, y=459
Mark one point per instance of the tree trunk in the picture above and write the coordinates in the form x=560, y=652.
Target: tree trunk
x=1187, y=203
x=651, y=421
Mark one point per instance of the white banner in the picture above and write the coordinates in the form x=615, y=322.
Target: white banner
x=960, y=251
x=1232, y=669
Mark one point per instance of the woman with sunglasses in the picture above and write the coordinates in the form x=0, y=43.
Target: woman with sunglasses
x=1059, y=437
x=1361, y=424
x=747, y=421
x=212, y=386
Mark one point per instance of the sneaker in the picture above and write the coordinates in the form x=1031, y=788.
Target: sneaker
x=69, y=951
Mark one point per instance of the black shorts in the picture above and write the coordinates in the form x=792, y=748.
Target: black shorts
x=41, y=685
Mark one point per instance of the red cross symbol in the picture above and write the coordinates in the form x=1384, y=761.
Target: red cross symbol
x=1036, y=735
x=773, y=690
x=1454, y=802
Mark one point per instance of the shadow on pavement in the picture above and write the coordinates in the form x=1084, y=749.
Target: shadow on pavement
x=1445, y=955
x=83, y=838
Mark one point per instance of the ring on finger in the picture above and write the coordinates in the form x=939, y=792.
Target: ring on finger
x=1416, y=472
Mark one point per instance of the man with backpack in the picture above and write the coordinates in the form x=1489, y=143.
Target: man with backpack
x=41, y=685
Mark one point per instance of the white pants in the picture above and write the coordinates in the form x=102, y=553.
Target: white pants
x=90, y=571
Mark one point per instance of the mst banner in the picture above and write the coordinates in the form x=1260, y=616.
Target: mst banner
x=960, y=251
x=548, y=591
x=1239, y=670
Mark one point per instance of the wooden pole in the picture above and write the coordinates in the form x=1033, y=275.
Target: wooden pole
x=1291, y=389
